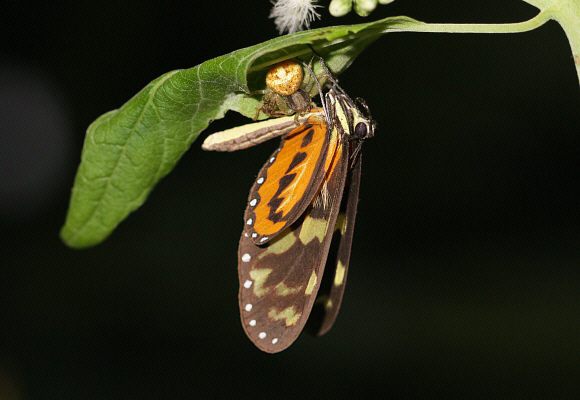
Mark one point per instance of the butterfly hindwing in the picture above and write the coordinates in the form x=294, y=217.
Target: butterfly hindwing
x=329, y=298
x=280, y=279
x=289, y=180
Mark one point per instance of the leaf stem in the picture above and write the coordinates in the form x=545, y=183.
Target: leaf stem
x=568, y=19
x=517, y=27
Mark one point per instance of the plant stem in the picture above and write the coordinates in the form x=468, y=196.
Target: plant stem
x=568, y=21
x=517, y=27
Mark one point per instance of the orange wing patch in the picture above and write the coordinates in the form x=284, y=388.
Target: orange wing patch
x=289, y=181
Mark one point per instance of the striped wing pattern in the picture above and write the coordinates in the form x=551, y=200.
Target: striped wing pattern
x=279, y=280
x=288, y=182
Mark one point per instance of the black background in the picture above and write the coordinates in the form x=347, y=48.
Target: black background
x=464, y=278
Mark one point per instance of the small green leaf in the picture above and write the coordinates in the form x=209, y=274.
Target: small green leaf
x=127, y=151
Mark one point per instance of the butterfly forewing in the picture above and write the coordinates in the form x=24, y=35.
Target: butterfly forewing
x=289, y=180
x=242, y=137
x=279, y=280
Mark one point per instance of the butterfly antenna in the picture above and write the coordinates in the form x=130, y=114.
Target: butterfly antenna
x=329, y=74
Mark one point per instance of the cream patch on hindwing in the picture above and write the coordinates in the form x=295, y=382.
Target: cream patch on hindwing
x=341, y=223
x=259, y=276
x=288, y=314
x=313, y=228
x=283, y=290
x=340, y=271
x=281, y=244
x=328, y=305
x=311, y=283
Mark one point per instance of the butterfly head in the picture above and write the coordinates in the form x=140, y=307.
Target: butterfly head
x=363, y=124
x=353, y=116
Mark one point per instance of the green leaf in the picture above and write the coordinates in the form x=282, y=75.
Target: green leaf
x=127, y=151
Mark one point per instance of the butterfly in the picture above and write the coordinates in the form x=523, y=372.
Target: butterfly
x=299, y=218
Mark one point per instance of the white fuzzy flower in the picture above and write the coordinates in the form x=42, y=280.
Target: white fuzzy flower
x=292, y=15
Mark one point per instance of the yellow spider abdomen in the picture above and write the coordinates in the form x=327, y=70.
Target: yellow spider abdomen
x=285, y=77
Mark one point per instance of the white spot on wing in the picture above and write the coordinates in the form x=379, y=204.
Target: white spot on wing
x=263, y=239
x=254, y=235
x=247, y=284
x=246, y=257
x=248, y=307
x=262, y=335
x=253, y=202
x=272, y=159
x=260, y=181
x=275, y=340
x=253, y=322
x=249, y=221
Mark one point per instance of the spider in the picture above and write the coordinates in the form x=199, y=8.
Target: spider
x=284, y=95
